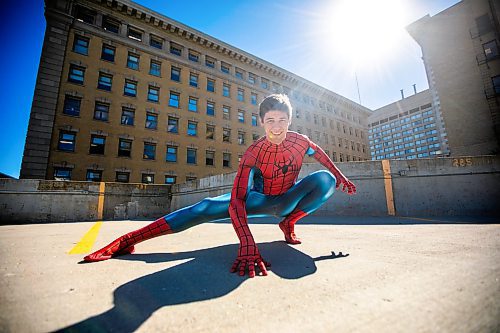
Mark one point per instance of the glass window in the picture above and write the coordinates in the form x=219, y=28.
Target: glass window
x=130, y=88
x=156, y=42
x=193, y=80
x=192, y=129
x=253, y=98
x=264, y=83
x=211, y=85
x=496, y=84
x=226, y=90
x=171, y=154
x=255, y=136
x=170, y=180
x=72, y=105
x=81, y=45
x=86, y=15
x=226, y=135
x=210, y=108
x=226, y=160
x=175, y=49
x=153, y=94
x=251, y=78
x=209, y=157
x=224, y=68
x=105, y=81
x=111, y=25
x=241, y=95
x=108, y=53
x=127, y=116
x=175, y=74
x=173, y=101
x=148, y=178
x=151, y=120
x=67, y=141
x=122, y=177
x=190, y=178
x=134, y=34
x=491, y=49
x=193, y=104
x=173, y=125
x=239, y=74
x=62, y=173
x=254, y=119
x=97, y=144
x=193, y=56
x=94, y=175
x=149, y=151
x=226, y=112
x=191, y=156
x=241, y=138
x=76, y=74
x=210, y=133
x=101, y=111
x=209, y=62
x=124, y=147
x=155, y=68
x=241, y=116
x=133, y=61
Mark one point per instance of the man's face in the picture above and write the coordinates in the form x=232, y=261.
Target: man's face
x=275, y=125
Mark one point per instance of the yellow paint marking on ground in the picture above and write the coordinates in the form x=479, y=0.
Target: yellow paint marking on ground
x=433, y=220
x=85, y=244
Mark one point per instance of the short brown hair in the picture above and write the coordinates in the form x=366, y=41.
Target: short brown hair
x=275, y=102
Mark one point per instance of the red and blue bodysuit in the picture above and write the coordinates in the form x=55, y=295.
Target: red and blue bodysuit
x=265, y=185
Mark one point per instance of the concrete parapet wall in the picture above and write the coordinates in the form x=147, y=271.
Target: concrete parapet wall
x=423, y=187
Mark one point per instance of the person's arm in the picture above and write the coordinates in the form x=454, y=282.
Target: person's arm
x=248, y=253
x=320, y=156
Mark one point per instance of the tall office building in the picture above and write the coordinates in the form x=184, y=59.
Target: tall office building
x=407, y=129
x=127, y=94
x=462, y=61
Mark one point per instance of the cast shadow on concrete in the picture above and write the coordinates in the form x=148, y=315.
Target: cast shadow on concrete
x=205, y=275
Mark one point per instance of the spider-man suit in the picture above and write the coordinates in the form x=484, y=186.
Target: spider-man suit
x=265, y=185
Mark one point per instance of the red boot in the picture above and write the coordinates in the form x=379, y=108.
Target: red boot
x=288, y=226
x=125, y=244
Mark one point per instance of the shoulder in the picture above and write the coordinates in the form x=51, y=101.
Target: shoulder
x=297, y=138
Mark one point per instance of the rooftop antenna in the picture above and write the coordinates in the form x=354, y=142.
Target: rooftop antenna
x=402, y=94
x=357, y=86
x=415, y=88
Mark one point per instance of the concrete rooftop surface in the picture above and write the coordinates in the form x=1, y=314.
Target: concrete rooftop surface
x=394, y=275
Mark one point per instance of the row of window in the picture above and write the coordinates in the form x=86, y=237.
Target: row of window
x=64, y=173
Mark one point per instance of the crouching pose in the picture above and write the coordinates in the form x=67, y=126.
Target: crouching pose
x=265, y=185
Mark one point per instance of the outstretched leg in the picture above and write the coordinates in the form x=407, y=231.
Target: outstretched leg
x=302, y=199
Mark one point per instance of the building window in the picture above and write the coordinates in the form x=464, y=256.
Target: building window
x=210, y=108
x=241, y=138
x=155, y=68
x=193, y=104
x=264, y=83
x=151, y=121
x=175, y=74
x=170, y=180
x=226, y=135
x=253, y=98
x=148, y=178
x=210, y=158
x=94, y=175
x=110, y=24
x=173, y=100
x=76, y=74
x=241, y=95
x=255, y=136
x=254, y=119
x=171, y=154
x=190, y=178
x=226, y=90
x=124, y=147
x=192, y=129
x=239, y=74
x=86, y=15
x=251, y=78
x=175, y=49
x=130, y=88
x=173, y=125
x=97, y=144
x=191, y=156
x=224, y=68
x=134, y=34
x=133, y=61
x=72, y=105
x=81, y=45
x=496, y=84
x=153, y=94
x=105, y=81
x=156, y=42
x=210, y=133
x=108, y=53
x=241, y=116
x=226, y=112
x=193, y=56
x=226, y=160
x=193, y=80
x=210, y=85
x=149, y=151
x=128, y=116
x=209, y=62
x=67, y=141
x=101, y=111
x=122, y=177
x=62, y=174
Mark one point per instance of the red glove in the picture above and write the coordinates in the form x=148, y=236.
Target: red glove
x=347, y=185
x=249, y=256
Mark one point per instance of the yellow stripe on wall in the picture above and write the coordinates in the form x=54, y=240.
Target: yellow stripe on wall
x=87, y=241
x=389, y=194
x=100, y=200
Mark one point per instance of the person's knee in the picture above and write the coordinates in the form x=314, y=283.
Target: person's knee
x=325, y=183
x=202, y=208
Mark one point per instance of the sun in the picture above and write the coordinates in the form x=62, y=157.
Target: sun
x=362, y=31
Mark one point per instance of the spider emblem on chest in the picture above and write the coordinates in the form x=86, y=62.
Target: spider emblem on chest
x=282, y=168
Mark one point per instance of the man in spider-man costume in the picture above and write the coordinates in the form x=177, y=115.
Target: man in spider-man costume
x=265, y=185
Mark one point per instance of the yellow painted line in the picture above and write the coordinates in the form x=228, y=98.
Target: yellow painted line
x=389, y=194
x=85, y=244
x=100, y=200
x=433, y=220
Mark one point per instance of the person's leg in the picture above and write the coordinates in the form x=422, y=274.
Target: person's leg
x=302, y=199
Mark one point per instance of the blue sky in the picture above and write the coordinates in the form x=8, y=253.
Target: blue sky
x=292, y=34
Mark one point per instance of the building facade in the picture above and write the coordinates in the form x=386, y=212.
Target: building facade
x=407, y=129
x=462, y=61
x=126, y=94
